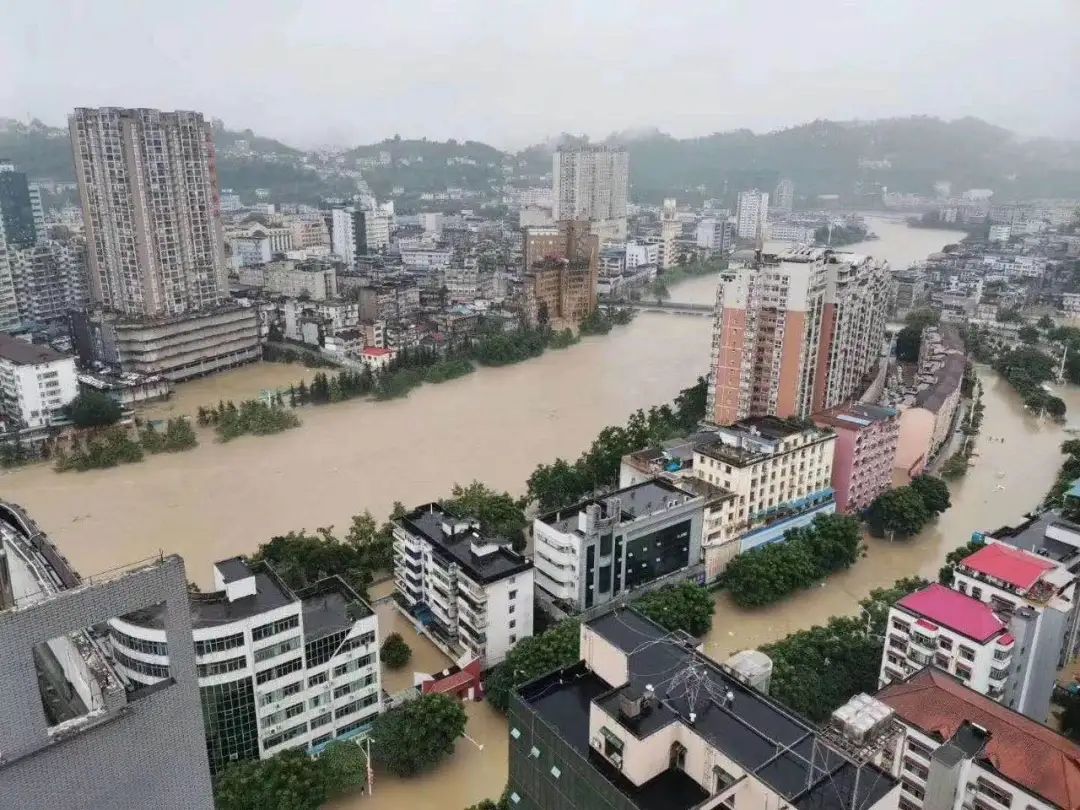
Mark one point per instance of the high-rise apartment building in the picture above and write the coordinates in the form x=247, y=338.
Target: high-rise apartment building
x=866, y=439
x=783, y=198
x=150, y=200
x=795, y=333
x=75, y=732
x=155, y=246
x=751, y=214
x=21, y=217
x=562, y=267
x=357, y=232
x=49, y=279
x=591, y=183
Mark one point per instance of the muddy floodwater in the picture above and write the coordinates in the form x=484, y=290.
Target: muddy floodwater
x=494, y=425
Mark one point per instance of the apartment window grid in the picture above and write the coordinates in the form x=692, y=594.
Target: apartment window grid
x=229, y=716
x=279, y=671
x=273, y=628
x=216, y=645
x=222, y=667
x=140, y=645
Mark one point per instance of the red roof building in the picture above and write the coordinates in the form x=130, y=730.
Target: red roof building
x=953, y=610
x=1005, y=751
x=1015, y=567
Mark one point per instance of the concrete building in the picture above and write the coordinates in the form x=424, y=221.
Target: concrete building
x=791, y=232
x=928, y=410
x=590, y=183
x=471, y=593
x=356, y=232
x=960, y=749
x=177, y=348
x=562, y=267
x=597, y=550
x=910, y=289
x=783, y=198
x=308, y=234
x=331, y=316
x=716, y=234
x=49, y=279
x=866, y=440
x=314, y=278
x=389, y=301
x=752, y=214
x=277, y=668
x=36, y=381
x=21, y=218
x=75, y=732
x=645, y=721
x=149, y=192
x=780, y=474
x=796, y=333
x=766, y=336
x=249, y=249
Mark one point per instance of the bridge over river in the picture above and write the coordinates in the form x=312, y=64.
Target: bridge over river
x=675, y=307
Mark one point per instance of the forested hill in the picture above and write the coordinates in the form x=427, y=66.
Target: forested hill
x=823, y=157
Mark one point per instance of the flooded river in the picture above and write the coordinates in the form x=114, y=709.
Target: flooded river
x=495, y=426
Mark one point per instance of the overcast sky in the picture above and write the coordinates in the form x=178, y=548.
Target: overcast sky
x=512, y=73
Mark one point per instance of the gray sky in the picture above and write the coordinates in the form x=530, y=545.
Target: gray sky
x=512, y=73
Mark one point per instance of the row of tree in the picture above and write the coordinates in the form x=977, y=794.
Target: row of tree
x=904, y=511
x=1027, y=369
x=292, y=780
x=807, y=555
x=108, y=447
x=817, y=670
x=177, y=437
x=1068, y=472
x=602, y=321
x=562, y=483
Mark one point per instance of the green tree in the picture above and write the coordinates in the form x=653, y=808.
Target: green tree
x=921, y=318
x=290, y=780
x=395, y=653
x=344, y=768
x=373, y=544
x=416, y=735
x=900, y=511
x=687, y=607
x=908, y=341
x=1028, y=334
x=93, y=409
x=1070, y=718
x=933, y=491
x=557, y=484
x=1045, y=322
x=945, y=573
x=532, y=657
x=660, y=291
x=302, y=559
x=498, y=513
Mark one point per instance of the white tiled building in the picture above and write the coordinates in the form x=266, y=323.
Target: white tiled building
x=473, y=595
x=751, y=214
x=277, y=669
x=37, y=382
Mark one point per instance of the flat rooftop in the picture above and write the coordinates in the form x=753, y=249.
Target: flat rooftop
x=330, y=606
x=427, y=521
x=635, y=501
x=22, y=353
x=1034, y=535
x=759, y=734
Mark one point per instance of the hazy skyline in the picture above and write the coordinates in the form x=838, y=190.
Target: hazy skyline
x=346, y=73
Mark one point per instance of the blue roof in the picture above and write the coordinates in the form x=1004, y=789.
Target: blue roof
x=1074, y=490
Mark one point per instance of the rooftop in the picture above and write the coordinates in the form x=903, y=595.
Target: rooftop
x=948, y=608
x=948, y=380
x=639, y=500
x=757, y=733
x=1020, y=749
x=22, y=353
x=329, y=606
x=1049, y=535
x=456, y=546
x=855, y=417
x=1020, y=569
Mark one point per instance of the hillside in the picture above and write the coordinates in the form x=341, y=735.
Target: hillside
x=851, y=159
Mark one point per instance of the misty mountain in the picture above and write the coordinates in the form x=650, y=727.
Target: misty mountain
x=849, y=158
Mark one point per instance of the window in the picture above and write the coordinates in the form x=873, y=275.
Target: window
x=274, y=650
x=279, y=671
x=988, y=788
x=967, y=653
x=315, y=680
x=221, y=667
x=219, y=644
x=513, y=639
x=944, y=643
x=513, y=623
x=273, y=628
x=152, y=670
x=138, y=644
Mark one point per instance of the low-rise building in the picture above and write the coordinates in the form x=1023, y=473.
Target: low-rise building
x=960, y=749
x=127, y=390
x=928, y=410
x=780, y=471
x=331, y=316
x=597, y=550
x=250, y=249
x=377, y=358
x=473, y=594
x=277, y=668
x=645, y=721
x=313, y=278
x=866, y=439
x=36, y=383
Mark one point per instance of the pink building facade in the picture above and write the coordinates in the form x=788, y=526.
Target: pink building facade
x=866, y=442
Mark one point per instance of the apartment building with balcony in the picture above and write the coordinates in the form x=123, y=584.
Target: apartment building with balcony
x=645, y=721
x=796, y=332
x=36, y=382
x=602, y=548
x=277, y=668
x=866, y=439
x=473, y=594
x=960, y=750
x=780, y=472
x=954, y=632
